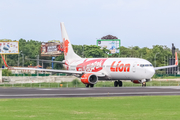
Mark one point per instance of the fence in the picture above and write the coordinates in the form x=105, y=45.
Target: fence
x=166, y=75
x=78, y=84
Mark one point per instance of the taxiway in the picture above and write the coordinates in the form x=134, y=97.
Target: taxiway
x=86, y=92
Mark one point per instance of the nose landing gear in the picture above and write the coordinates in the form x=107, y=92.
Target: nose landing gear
x=118, y=83
x=144, y=84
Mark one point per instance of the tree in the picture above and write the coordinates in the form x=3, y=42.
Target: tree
x=32, y=48
x=93, y=51
x=58, y=65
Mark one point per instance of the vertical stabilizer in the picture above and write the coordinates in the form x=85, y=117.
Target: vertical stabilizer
x=68, y=50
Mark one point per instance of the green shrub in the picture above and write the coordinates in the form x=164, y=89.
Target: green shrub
x=6, y=72
x=155, y=76
x=76, y=82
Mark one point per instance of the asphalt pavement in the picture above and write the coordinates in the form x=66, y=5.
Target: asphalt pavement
x=86, y=92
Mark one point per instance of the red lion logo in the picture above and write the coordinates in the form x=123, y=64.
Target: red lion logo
x=66, y=44
x=91, y=65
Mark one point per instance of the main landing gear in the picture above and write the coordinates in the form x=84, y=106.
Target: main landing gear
x=144, y=84
x=89, y=85
x=118, y=83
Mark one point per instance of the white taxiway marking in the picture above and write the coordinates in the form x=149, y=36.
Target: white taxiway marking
x=171, y=87
x=88, y=94
x=67, y=89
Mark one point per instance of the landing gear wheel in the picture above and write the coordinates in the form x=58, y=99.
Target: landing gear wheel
x=115, y=83
x=91, y=85
x=87, y=85
x=144, y=84
x=120, y=83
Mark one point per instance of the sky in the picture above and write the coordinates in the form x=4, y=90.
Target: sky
x=142, y=23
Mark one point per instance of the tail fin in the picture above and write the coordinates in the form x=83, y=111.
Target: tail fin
x=176, y=59
x=68, y=50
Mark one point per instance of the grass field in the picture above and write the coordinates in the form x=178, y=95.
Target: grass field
x=97, y=108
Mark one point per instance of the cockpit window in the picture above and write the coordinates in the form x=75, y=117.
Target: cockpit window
x=142, y=65
x=145, y=65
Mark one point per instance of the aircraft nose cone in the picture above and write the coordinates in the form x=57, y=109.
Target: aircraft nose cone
x=150, y=72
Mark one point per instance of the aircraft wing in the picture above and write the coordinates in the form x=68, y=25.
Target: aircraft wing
x=47, y=70
x=99, y=74
x=170, y=66
x=164, y=67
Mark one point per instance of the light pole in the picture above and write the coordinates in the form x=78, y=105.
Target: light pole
x=18, y=60
x=155, y=58
x=18, y=57
x=37, y=61
x=37, y=64
x=22, y=59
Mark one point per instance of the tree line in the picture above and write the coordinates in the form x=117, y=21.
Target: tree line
x=158, y=55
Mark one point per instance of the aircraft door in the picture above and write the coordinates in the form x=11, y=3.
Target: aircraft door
x=134, y=67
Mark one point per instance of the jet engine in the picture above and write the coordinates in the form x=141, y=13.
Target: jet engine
x=89, y=78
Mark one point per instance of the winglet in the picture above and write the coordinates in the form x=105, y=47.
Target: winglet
x=176, y=59
x=4, y=61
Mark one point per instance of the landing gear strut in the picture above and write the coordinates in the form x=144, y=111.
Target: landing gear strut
x=144, y=84
x=118, y=83
x=89, y=85
x=92, y=85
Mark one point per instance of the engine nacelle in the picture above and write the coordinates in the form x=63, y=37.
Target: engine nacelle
x=89, y=78
x=136, y=81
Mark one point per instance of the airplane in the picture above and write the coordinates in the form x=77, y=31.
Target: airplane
x=90, y=70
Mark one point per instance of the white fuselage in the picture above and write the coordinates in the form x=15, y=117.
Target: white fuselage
x=114, y=68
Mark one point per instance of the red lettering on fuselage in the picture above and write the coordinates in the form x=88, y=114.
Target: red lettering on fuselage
x=111, y=68
x=117, y=65
x=120, y=67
